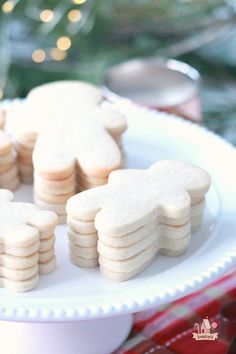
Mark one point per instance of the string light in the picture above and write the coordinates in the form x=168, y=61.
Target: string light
x=39, y=56
x=46, y=15
x=58, y=54
x=78, y=2
x=74, y=15
x=8, y=6
x=64, y=43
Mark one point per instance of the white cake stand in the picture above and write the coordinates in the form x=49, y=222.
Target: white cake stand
x=77, y=311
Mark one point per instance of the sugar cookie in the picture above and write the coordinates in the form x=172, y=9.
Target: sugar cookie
x=26, y=242
x=139, y=214
x=64, y=127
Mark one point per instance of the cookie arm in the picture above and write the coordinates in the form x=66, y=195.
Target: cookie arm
x=191, y=178
x=43, y=220
x=174, y=204
x=85, y=205
x=113, y=121
x=99, y=154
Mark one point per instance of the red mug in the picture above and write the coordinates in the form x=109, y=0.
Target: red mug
x=163, y=84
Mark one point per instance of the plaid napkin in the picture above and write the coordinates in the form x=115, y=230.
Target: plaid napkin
x=169, y=329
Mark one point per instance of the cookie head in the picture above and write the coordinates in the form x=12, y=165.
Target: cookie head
x=21, y=224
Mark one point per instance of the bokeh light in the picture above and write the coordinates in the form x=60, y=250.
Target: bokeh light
x=58, y=54
x=46, y=15
x=8, y=6
x=74, y=15
x=78, y=2
x=64, y=43
x=39, y=56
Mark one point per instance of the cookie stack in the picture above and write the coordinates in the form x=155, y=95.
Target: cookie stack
x=46, y=251
x=24, y=137
x=9, y=178
x=24, y=150
x=74, y=140
x=169, y=233
x=25, y=251
x=52, y=190
x=120, y=263
x=66, y=162
x=70, y=158
x=82, y=242
x=87, y=181
x=139, y=214
x=197, y=212
x=121, y=256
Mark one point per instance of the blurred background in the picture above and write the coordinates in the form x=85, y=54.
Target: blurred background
x=49, y=40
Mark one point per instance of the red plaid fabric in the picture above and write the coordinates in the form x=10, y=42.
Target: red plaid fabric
x=169, y=329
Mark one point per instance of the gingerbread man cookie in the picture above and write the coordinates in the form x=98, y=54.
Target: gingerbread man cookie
x=73, y=138
x=26, y=243
x=138, y=214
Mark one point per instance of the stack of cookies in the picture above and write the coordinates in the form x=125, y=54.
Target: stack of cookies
x=46, y=251
x=74, y=140
x=26, y=243
x=86, y=181
x=8, y=171
x=24, y=151
x=139, y=214
x=66, y=162
x=51, y=191
x=197, y=211
x=82, y=242
x=23, y=138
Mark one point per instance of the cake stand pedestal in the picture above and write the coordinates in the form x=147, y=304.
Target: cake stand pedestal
x=101, y=336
